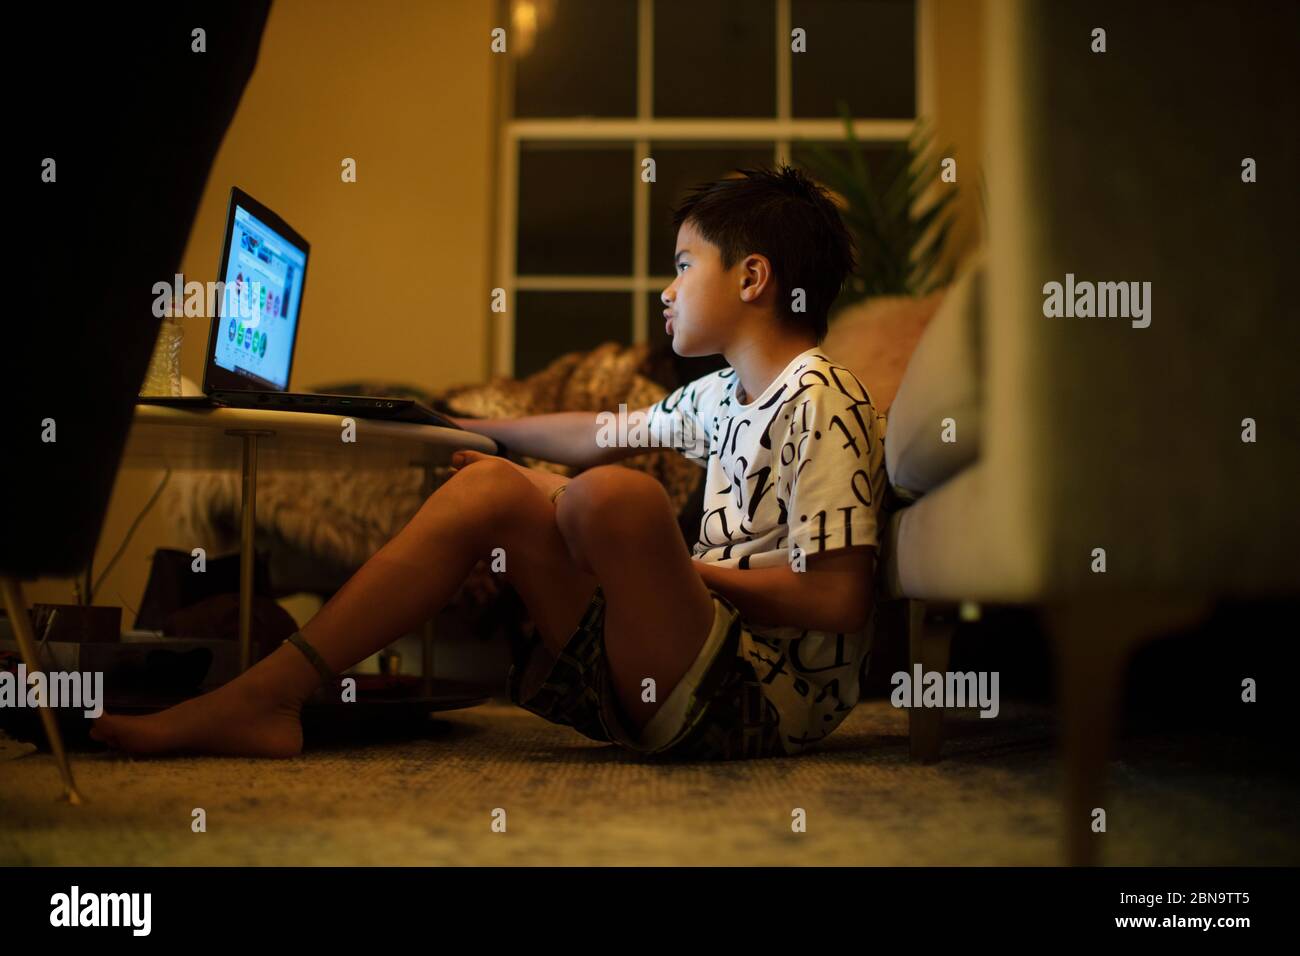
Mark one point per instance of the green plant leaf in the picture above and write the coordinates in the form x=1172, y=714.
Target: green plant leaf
x=898, y=253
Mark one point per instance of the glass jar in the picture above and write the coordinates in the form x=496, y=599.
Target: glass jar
x=163, y=376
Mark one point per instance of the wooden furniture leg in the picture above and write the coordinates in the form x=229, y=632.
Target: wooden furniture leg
x=929, y=640
x=1094, y=641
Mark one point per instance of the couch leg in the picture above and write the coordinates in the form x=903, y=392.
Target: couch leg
x=1094, y=641
x=929, y=639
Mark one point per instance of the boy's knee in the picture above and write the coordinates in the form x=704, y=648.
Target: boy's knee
x=488, y=475
x=494, y=491
x=611, y=501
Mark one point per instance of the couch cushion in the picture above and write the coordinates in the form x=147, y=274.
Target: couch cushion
x=942, y=382
x=967, y=541
x=875, y=339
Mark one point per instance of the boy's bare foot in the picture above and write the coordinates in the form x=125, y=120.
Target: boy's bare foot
x=244, y=718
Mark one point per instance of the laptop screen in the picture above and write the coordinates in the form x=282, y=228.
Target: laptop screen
x=259, y=305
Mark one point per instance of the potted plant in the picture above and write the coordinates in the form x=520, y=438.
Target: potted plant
x=900, y=250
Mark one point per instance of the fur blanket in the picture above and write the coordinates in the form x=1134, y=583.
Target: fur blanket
x=344, y=517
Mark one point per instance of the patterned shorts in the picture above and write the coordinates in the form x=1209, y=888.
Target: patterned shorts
x=716, y=712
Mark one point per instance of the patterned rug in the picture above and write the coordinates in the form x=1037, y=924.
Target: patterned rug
x=428, y=795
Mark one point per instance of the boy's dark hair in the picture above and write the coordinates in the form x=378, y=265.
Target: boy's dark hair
x=782, y=214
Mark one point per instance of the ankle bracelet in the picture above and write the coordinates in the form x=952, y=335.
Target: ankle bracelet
x=300, y=642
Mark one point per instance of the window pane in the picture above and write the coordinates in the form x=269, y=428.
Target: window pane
x=679, y=166
x=573, y=57
x=716, y=58
x=884, y=160
x=860, y=51
x=549, y=324
x=575, y=209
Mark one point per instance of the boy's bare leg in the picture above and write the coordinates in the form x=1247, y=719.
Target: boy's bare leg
x=619, y=524
x=489, y=504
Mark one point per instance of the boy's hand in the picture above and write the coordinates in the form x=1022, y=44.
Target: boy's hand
x=546, y=481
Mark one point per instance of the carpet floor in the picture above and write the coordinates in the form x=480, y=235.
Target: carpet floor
x=428, y=796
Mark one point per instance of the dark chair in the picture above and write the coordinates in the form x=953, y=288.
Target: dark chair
x=132, y=116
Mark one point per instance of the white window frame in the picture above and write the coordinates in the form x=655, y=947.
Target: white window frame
x=639, y=132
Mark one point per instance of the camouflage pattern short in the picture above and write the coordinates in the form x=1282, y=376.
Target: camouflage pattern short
x=726, y=716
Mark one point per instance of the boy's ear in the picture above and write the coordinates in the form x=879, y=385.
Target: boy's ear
x=755, y=274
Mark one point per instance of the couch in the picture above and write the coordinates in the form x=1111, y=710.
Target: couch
x=1118, y=478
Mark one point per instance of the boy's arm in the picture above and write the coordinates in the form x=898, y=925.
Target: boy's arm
x=578, y=439
x=833, y=594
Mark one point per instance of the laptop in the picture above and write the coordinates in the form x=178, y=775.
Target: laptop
x=252, y=338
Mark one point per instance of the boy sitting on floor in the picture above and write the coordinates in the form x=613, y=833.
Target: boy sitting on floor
x=753, y=645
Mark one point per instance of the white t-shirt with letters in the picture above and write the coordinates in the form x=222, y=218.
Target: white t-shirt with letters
x=801, y=466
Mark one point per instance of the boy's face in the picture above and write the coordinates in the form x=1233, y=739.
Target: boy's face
x=703, y=305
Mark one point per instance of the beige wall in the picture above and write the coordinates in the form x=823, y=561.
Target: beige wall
x=398, y=286
x=398, y=282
